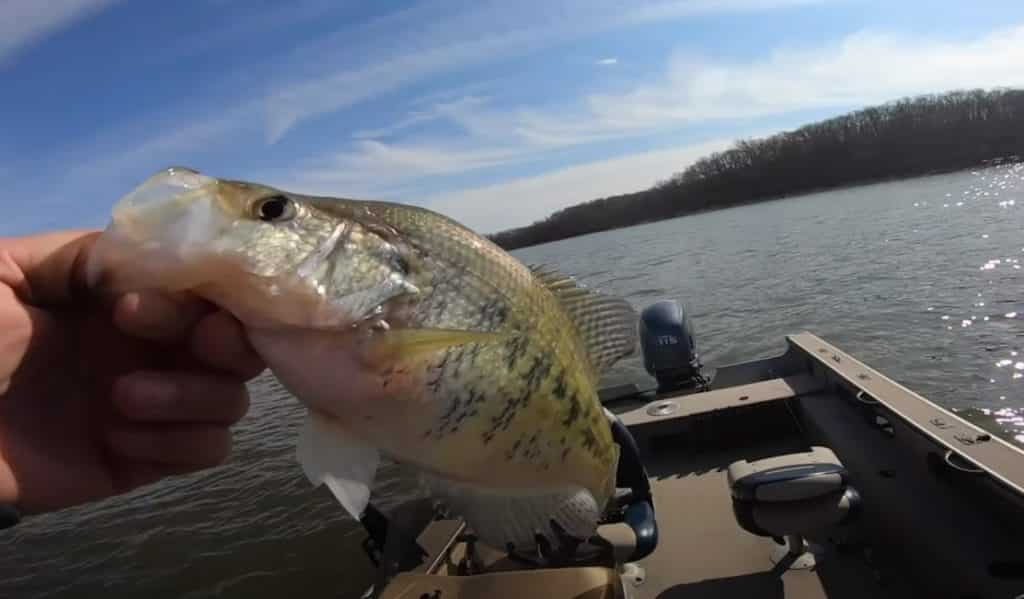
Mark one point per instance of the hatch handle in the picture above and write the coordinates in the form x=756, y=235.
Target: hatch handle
x=866, y=399
x=958, y=462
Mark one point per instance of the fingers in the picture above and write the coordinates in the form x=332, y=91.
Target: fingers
x=169, y=449
x=219, y=341
x=172, y=423
x=214, y=337
x=158, y=316
x=46, y=269
x=174, y=397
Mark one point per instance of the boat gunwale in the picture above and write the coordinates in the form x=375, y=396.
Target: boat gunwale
x=805, y=342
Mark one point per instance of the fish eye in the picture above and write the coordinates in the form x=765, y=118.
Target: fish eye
x=274, y=209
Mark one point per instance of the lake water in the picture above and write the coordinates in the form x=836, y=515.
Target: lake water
x=921, y=279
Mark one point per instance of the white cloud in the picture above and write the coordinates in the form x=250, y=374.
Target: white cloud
x=607, y=62
x=459, y=110
x=482, y=32
x=861, y=69
x=519, y=202
x=389, y=164
x=359, y=63
x=25, y=22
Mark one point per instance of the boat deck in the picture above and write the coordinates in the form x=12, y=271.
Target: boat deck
x=709, y=555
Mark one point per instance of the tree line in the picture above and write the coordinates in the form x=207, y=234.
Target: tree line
x=905, y=138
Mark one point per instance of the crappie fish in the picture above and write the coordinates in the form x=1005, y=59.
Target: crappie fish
x=405, y=335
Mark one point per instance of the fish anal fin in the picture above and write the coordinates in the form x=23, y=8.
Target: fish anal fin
x=500, y=517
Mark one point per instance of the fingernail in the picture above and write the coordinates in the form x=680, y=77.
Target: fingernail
x=155, y=316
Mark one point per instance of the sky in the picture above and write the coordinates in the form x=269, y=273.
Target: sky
x=496, y=113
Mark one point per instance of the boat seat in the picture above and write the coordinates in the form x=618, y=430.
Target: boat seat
x=795, y=495
x=630, y=529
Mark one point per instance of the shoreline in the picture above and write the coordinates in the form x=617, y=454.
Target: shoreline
x=881, y=181
x=910, y=137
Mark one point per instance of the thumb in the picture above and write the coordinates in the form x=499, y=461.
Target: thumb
x=46, y=269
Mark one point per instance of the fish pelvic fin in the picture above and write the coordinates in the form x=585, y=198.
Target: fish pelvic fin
x=331, y=456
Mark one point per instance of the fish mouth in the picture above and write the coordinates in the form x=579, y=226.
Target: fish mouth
x=162, y=226
x=170, y=201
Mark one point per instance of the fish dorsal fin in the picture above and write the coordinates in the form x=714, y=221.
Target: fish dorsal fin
x=607, y=325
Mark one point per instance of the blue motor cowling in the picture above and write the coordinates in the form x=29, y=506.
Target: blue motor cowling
x=670, y=352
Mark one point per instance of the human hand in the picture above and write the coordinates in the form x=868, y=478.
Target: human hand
x=99, y=395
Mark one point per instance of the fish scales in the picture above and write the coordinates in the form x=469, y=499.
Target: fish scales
x=481, y=274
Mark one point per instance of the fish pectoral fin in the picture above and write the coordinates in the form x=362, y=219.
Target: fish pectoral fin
x=329, y=455
x=405, y=344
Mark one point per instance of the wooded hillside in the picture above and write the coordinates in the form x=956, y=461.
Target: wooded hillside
x=905, y=138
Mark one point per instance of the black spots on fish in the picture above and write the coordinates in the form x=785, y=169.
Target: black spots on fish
x=457, y=360
x=514, y=450
x=536, y=375
x=492, y=314
x=453, y=406
x=575, y=408
x=460, y=406
x=473, y=353
x=435, y=383
x=440, y=371
x=526, y=448
x=503, y=420
x=561, y=388
x=444, y=361
x=533, y=379
x=515, y=349
x=589, y=440
x=532, y=447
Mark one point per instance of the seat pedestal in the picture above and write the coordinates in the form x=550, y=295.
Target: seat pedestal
x=796, y=553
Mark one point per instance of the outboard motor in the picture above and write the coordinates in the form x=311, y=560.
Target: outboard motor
x=670, y=352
